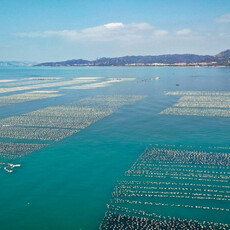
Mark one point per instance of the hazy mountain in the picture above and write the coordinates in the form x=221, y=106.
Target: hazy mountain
x=66, y=63
x=16, y=63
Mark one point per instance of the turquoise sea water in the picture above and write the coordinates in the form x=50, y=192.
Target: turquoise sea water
x=68, y=184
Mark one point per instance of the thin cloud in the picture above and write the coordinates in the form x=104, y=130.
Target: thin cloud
x=184, y=32
x=223, y=19
x=161, y=32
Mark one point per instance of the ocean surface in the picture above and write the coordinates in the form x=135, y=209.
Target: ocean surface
x=68, y=184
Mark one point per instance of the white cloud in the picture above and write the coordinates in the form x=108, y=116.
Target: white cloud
x=114, y=25
x=184, y=32
x=111, y=33
x=108, y=32
x=223, y=19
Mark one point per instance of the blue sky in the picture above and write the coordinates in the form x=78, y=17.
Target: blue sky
x=55, y=30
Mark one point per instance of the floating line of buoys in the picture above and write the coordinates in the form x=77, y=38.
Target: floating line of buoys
x=58, y=122
x=164, y=180
x=200, y=103
x=15, y=150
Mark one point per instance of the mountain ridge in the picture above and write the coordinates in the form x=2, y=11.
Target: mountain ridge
x=223, y=58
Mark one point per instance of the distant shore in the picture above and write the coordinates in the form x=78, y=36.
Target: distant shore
x=161, y=66
x=175, y=60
